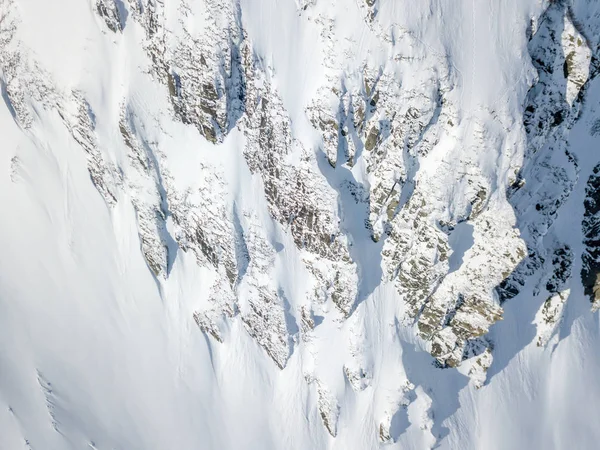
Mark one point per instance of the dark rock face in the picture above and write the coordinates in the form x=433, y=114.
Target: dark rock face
x=590, y=270
x=112, y=12
x=550, y=170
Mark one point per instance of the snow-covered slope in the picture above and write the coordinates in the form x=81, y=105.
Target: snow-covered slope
x=299, y=224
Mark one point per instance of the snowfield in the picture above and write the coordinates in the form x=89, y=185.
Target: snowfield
x=299, y=224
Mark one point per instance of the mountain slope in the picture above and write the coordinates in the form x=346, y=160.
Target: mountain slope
x=299, y=224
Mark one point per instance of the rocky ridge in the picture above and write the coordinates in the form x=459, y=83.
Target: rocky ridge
x=566, y=58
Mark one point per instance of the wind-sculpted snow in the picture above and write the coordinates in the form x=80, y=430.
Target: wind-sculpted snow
x=299, y=224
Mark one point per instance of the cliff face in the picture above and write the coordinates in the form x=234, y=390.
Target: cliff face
x=327, y=184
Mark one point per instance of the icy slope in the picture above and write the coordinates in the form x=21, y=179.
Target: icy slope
x=299, y=224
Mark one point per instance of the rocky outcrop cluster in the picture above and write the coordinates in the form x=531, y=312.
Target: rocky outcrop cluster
x=590, y=271
x=390, y=137
x=564, y=51
x=216, y=84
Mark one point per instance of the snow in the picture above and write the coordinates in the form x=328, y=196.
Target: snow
x=96, y=352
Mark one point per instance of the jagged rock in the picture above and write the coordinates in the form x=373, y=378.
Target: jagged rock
x=549, y=317
x=360, y=114
x=553, y=104
x=307, y=320
x=109, y=12
x=458, y=311
x=145, y=184
x=262, y=304
x=221, y=305
x=357, y=377
x=384, y=432
x=562, y=261
x=24, y=82
x=590, y=258
x=363, y=117
x=478, y=358
x=297, y=196
x=328, y=408
x=204, y=223
x=78, y=118
x=577, y=59
x=203, y=70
